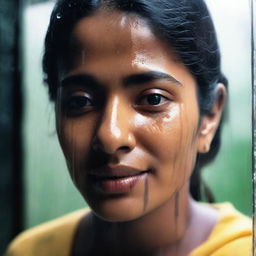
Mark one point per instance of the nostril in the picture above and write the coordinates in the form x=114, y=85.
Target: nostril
x=98, y=147
x=124, y=148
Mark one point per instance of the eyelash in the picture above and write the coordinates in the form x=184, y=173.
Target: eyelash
x=79, y=104
x=158, y=99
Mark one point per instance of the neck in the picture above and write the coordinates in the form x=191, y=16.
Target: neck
x=163, y=227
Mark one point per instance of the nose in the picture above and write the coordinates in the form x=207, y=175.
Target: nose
x=114, y=131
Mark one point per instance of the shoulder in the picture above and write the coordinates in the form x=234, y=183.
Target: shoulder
x=232, y=235
x=52, y=238
x=239, y=246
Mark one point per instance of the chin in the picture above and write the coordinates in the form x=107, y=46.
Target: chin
x=117, y=209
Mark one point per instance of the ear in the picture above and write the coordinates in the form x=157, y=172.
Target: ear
x=210, y=122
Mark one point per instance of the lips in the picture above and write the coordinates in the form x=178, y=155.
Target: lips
x=117, y=180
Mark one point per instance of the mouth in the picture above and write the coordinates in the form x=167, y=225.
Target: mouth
x=116, y=180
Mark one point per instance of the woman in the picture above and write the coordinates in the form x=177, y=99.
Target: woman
x=139, y=96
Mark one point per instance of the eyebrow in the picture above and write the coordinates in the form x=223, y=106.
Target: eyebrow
x=135, y=79
x=81, y=79
x=149, y=77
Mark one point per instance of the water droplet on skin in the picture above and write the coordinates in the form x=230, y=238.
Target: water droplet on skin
x=145, y=195
x=58, y=15
x=176, y=210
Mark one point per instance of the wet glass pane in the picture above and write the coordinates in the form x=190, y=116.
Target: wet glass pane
x=229, y=176
x=49, y=191
x=46, y=177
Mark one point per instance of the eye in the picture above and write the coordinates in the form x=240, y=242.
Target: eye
x=153, y=99
x=78, y=102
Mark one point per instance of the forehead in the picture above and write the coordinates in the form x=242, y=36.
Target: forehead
x=116, y=44
x=112, y=31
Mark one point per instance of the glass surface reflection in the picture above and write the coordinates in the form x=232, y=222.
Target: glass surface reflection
x=46, y=176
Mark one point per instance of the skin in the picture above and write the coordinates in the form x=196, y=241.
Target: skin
x=116, y=124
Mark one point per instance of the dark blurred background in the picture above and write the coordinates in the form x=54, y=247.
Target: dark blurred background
x=34, y=182
x=11, y=196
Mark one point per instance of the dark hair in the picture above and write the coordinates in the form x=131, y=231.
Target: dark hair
x=185, y=25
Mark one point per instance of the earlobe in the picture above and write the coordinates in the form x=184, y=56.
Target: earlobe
x=210, y=122
x=206, y=134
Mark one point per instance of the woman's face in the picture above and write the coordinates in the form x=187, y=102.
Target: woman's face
x=127, y=117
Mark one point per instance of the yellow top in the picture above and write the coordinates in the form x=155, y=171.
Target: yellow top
x=232, y=236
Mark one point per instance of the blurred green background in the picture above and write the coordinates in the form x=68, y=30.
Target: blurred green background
x=48, y=189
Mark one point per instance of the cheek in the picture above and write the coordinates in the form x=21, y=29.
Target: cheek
x=171, y=141
x=75, y=136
